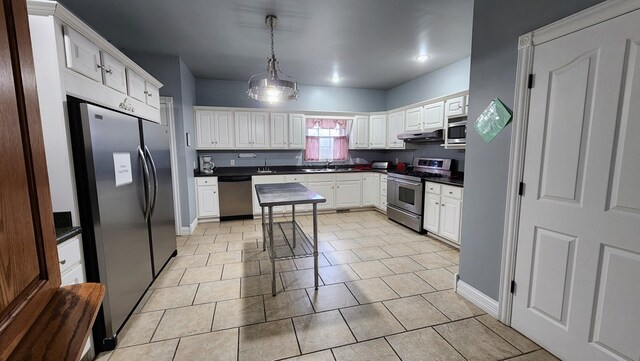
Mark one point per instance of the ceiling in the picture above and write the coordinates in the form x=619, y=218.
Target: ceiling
x=369, y=43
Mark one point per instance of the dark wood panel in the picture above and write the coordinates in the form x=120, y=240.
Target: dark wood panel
x=62, y=329
x=29, y=270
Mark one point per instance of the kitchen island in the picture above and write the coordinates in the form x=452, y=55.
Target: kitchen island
x=286, y=239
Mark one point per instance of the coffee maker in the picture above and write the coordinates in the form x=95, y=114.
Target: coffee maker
x=206, y=165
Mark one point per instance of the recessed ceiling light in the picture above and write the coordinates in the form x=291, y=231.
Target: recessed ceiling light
x=336, y=78
x=423, y=57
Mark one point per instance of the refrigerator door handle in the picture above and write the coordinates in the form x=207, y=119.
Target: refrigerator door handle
x=147, y=186
x=155, y=180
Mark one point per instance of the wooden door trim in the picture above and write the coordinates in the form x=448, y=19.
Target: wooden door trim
x=526, y=43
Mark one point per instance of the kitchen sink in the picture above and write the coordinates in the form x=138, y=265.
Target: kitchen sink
x=266, y=171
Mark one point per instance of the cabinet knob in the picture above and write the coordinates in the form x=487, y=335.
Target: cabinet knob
x=63, y=261
x=109, y=71
x=437, y=203
x=450, y=192
x=442, y=204
x=100, y=66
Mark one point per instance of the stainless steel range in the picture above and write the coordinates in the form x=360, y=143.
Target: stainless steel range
x=405, y=190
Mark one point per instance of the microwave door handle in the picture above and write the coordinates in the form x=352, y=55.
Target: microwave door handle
x=458, y=124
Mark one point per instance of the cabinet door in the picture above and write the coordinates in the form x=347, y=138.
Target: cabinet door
x=260, y=130
x=376, y=190
x=348, y=194
x=265, y=179
x=395, y=126
x=208, y=201
x=431, y=216
x=360, y=132
x=297, y=178
x=414, y=120
x=243, y=130
x=135, y=86
x=450, y=210
x=83, y=56
x=325, y=189
x=114, y=73
x=434, y=116
x=205, y=129
x=153, y=95
x=456, y=106
x=279, y=130
x=297, y=129
x=368, y=190
x=377, y=131
x=223, y=129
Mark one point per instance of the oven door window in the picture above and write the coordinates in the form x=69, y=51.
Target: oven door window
x=406, y=195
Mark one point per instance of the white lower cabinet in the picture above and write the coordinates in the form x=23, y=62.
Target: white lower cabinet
x=302, y=179
x=368, y=189
x=348, y=190
x=325, y=189
x=207, y=197
x=265, y=179
x=443, y=210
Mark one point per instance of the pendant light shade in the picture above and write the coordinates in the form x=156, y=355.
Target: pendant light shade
x=273, y=85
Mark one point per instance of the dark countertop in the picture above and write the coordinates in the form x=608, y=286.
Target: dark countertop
x=447, y=181
x=284, y=194
x=65, y=233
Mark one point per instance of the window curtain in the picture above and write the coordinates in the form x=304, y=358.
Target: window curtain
x=340, y=142
x=312, y=150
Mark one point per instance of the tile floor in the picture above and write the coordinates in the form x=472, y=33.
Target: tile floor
x=385, y=294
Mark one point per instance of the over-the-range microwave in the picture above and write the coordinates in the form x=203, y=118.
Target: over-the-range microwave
x=457, y=131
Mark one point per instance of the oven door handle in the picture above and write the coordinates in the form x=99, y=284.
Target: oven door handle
x=405, y=182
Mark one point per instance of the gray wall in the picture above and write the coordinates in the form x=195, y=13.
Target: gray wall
x=229, y=93
x=497, y=24
x=188, y=87
x=450, y=79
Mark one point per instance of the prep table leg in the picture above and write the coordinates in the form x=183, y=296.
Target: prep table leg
x=264, y=232
x=273, y=260
x=293, y=219
x=315, y=244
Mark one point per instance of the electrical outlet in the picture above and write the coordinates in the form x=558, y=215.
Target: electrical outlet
x=396, y=160
x=232, y=162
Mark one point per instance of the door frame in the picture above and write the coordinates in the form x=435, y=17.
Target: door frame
x=168, y=103
x=599, y=13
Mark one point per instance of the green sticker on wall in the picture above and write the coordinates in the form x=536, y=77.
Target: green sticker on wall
x=492, y=120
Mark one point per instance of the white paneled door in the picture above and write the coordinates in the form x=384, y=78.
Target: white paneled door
x=578, y=256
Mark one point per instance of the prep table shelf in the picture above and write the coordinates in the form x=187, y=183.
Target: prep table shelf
x=289, y=241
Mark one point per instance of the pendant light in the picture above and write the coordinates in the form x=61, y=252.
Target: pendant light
x=273, y=85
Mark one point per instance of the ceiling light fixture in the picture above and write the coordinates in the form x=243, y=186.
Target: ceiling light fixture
x=423, y=57
x=273, y=85
x=336, y=78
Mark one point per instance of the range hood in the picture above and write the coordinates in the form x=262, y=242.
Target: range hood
x=423, y=137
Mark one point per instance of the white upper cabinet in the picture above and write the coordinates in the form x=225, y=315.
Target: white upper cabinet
x=456, y=106
x=223, y=121
x=260, y=129
x=360, y=133
x=378, y=131
x=395, y=126
x=153, y=95
x=243, y=127
x=114, y=73
x=279, y=130
x=413, y=119
x=297, y=128
x=214, y=129
x=135, y=86
x=434, y=116
x=252, y=130
x=82, y=55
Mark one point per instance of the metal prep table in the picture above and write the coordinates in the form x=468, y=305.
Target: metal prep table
x=286, y=239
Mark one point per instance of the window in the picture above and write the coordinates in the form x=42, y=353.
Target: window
x=327, y=139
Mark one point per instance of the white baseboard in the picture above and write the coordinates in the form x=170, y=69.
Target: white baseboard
x=486, y=303
x=185, y=231
x=193, y=226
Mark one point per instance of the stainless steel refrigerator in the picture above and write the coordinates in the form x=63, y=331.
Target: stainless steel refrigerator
x=123, y=177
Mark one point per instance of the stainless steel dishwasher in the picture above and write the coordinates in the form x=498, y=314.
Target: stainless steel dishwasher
x=235, y=197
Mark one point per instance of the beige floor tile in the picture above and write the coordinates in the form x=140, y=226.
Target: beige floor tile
x=281, y=266
x=254, y=255
x=398, y=250
x=378, y=350
x=509, y=334
x=244, y=245
x=316, y=356
x=326, y=228
x=212, y=346
x=327, y=236
x=200, y=240
x=453, y=269
x=371, y=253
x=349, y=226
x=347, y=234
x=439, y=278
x=238, y=312
x=104, y=356
x=243, y=269
x=540, y=355
x=299, y=279
x=187, y=250
x=371, y=321
x=344, y=244
x=170, y=297
x=225, y=257
x=475, y=341
x=423, y=345
x=258, y=285
x=371, y=290
x=229, y=237
x=321, y=331
x=370, y=241
x=371, y=269
x=139, y=328
x=369, y=231
x=395, y=238
x=307, y=262
x=217, y=230
x=211, y=248
x=341, y=257
x=415, y=312
x=168, y=278
x=452, y=305
x=431, y=260
x=185, y=321
x=181, y=240
x=424, y=247
x=451, y=255
x=252, y=235
x=402, y=264
x=331, y=297
x=407, y=284
x=337, y=274
x=157, y=351
x=268, y=341
x=243, y=228
x=218, y=291
x=287, y=304
x=201, y=274
x=182, y=262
